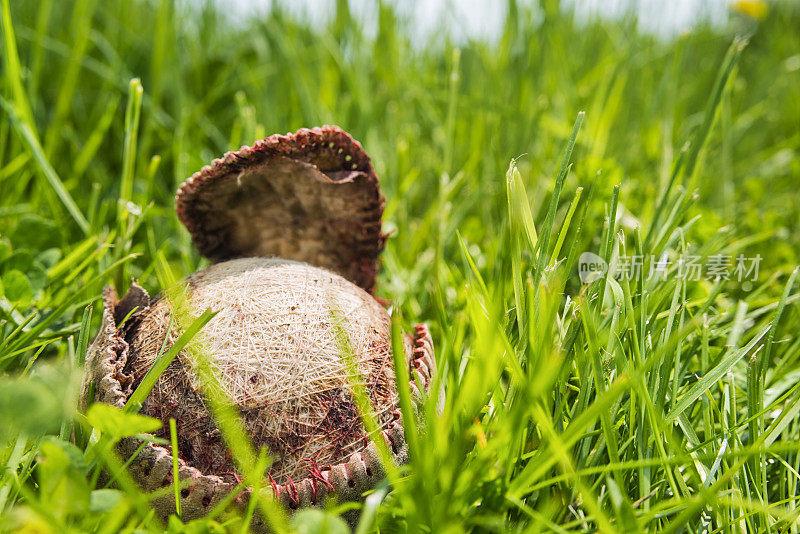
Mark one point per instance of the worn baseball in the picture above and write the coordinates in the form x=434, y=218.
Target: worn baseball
x=293, y=224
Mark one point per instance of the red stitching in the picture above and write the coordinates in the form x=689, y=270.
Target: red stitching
x=294, y=495
x=316, y=473
x=275, y=488
x=300, y=144
x=420, y=350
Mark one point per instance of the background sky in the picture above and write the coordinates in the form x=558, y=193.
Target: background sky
x=483, y=18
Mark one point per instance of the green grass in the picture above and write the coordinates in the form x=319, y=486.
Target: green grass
x=620, y=405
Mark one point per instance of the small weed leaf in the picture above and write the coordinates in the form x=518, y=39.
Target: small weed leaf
x=62, y=479
x=28, y=406
x=319, y=522
x=118, y=424
x=104, y=500
x=35, y=233
x=73, y=454
x=16, y=287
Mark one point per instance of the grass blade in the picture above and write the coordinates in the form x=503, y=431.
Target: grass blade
x=45, y=168
x=710, y=378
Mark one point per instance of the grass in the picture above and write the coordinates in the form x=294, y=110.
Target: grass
x=664, y=404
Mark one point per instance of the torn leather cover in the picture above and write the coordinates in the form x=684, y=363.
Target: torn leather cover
x=310, y=196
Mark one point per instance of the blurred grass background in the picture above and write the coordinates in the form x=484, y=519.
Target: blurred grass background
x=108, y=106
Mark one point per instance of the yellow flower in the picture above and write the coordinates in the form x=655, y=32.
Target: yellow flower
x=756, y=9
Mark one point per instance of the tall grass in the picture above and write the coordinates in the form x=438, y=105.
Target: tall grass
x=660, y=404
